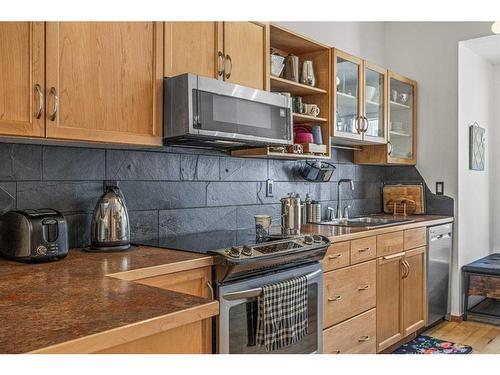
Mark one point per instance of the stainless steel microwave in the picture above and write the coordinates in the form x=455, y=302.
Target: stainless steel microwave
x=206, y=112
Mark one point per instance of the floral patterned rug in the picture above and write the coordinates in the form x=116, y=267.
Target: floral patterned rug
x=430, y=345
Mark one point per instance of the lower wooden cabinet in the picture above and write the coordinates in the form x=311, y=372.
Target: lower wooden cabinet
x=348, y=292
x=401, y=296
x=389, y=301
x=193, y=338
x=414, y=292
x=354, y=336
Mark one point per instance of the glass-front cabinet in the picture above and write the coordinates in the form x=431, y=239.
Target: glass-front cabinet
x=359, y=100
x=401, y=145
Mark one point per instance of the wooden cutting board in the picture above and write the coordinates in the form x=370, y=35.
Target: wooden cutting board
x=411, y=195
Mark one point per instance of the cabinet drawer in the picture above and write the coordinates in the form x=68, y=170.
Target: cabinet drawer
x=337, y=256
x=363, y=249
x=348, y=292
x=354, y=336
x=415, y=238
x=389, y=243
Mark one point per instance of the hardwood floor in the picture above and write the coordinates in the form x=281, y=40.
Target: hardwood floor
x=484, y=338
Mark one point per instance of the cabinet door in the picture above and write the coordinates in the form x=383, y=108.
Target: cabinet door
x=389, y=300
x=402, y=144
x=193, y=47
x=374, y=103
x=347, y=102
x=246, y=46
x=22, y=76
x=104, y=81
x=414, y=291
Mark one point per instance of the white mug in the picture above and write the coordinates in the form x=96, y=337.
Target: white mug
x=311, y=109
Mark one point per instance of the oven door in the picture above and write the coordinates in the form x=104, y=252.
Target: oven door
x=237, y=322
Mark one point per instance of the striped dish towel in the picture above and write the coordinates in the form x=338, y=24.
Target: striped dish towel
x=282, y=314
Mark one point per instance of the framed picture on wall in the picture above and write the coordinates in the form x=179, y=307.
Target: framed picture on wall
x=477, y=140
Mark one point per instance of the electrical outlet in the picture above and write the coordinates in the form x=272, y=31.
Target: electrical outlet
x=439, y=188
x=269, y=188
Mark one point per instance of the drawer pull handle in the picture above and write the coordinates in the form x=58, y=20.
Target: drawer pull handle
x=366, y=287
x=333, y=299
x=335, y=256
x=336, y=352
x=364, y=250
x=397, y=255
x=364, y=338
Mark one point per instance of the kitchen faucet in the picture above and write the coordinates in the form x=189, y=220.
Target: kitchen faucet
x=338, y=212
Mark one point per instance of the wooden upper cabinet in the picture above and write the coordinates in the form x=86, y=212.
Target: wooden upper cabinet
x=104, y=81
x=246, y=49
x=22, y=76
x=193, y=47
x=389, y=301
x=414, y=291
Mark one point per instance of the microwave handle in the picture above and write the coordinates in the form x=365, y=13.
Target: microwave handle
x=255, y=292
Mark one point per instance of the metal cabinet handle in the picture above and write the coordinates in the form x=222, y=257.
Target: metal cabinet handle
x=366, y=123
x=211, y=289
x=391, y=147
x=356, y=125
x=53, y=115
x=39, y=93
x=366, y=287
x=397, y=255
x=334, y=299
x=220, y=63
x=336, y=352
x=228, y=58
x=336, y=256
x=364, y=250
x=406, y=265
x=364, y=338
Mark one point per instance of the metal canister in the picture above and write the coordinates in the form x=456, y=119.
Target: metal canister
x=314, y=212
x=290, y=215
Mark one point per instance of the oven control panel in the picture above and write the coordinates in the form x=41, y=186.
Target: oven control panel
x=275, y=247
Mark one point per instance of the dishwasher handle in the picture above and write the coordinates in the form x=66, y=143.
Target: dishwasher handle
x=441, y=236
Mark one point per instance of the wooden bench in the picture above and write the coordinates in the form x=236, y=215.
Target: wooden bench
x=482, y=278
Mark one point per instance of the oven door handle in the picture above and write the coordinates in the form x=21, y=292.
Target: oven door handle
x=255, y=292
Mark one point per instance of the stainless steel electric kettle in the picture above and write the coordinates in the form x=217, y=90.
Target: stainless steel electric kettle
x=110, y=230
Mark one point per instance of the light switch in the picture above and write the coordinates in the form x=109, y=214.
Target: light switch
x=269, y=188
x=439, y=188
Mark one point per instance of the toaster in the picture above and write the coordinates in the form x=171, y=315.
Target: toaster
x=33, y=235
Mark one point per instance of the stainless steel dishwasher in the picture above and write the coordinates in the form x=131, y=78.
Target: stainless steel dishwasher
x=439, y=252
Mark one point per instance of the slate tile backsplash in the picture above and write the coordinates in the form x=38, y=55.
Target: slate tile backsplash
x=172, y=190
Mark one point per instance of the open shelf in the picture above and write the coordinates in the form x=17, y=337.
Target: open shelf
x=285, y=42
x=295, y=88
x=299, y=118
x=263, y=152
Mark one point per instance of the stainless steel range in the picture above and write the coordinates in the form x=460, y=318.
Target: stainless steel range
x=243, y=266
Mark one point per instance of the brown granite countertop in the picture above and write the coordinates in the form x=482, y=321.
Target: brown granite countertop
x=338, y=233
x=87, y=294
x=51, y=303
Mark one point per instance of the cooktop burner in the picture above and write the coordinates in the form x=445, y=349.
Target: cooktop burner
x=203, y=242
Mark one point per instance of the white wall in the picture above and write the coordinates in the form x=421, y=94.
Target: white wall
x=475, y=93
x=363, y=39
x=495, y=142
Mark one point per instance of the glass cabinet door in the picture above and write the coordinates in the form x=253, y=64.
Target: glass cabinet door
x=401, y=144
x=347, y=70
x=374, y=120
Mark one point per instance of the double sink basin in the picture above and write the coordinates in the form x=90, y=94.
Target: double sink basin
x=366, y=222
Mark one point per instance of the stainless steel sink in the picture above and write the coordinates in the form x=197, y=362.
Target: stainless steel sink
x=366, y=222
